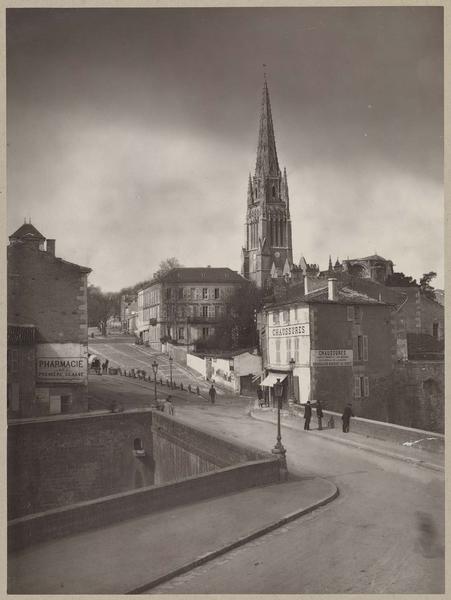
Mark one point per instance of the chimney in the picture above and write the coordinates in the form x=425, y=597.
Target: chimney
x=332, y=288
x=51, y=247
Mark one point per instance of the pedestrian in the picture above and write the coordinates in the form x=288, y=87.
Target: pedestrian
x=307, y=415
x=319, y=415
x=346, y=417
x=107, y=362
x=212, y=393
x=260, y=396
x=169, y=407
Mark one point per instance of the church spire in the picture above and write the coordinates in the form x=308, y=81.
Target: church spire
x=250, y=193
x=267, y=164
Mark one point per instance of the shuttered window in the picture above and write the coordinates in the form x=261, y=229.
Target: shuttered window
x=356, y=387
x=278, y=352
x=296, y=350
x=361, y=387
x=365, y=348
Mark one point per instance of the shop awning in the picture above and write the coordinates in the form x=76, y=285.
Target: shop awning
x=272, y=378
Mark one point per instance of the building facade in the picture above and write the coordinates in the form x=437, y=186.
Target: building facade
x=268, y=249
x=331, y=345
x=47, y=328
x=185, y=305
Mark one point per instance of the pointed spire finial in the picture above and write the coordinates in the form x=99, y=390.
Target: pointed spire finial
x=267, y=164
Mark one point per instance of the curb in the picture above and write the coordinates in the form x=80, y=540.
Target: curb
x=232, y=545
x=415, y=461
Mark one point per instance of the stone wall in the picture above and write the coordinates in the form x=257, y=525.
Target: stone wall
x=66, y=459
x=70, y=473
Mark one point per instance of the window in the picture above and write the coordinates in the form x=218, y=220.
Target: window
x=288, y=347
x=204, y=293
x=296, y=350
x=13, y=361
x=361, y=348
x=181, y=335
x=361, y=387
x=435, y=330
x=286, y=316
x=351, y=313
x=205, y=332
x=278, y=352
x=180, y=293
x=168, y=293
x=216, y=293
x=211, y=311
x=296, y=314
x=275, y=318
x=205, y=311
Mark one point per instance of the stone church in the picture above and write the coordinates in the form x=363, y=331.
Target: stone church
x=268, y=252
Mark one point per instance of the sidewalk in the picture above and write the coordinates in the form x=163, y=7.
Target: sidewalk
x=135, y=555
x=415, y=455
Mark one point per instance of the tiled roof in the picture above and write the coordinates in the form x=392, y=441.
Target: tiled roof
x=202, y=275
x=27, y=231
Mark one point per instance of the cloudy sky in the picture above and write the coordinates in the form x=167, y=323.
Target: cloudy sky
x=131, y=132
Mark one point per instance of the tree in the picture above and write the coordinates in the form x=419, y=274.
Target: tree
x=400, y=280
x=238, y=329
x=165, y=266
x=425, y=285
x=101, y=306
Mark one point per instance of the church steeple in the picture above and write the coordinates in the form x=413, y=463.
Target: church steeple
x=268, y=248
x=267, y=164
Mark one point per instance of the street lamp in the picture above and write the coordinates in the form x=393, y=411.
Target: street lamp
x=155, y=369
x=291, y=396
x=170, y=369
x=278, y=449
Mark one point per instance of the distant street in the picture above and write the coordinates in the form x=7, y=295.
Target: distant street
x=384, y=534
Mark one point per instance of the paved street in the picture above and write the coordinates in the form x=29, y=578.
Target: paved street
x=122, y=352
x=384, y=534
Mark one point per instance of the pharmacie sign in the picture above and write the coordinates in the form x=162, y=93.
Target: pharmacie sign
x=289, y=330
x=331, y=358
x=61, y=362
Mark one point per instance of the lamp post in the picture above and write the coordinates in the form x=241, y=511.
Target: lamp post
x=291, y=396
x=155, y=369
x=170, y=369
x=278, y=449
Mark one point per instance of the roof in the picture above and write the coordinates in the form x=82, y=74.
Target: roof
x=27, y=231
x=15, y=249
x=345, y=295
x=202, y=275
x=267, y=163
x=372, y=257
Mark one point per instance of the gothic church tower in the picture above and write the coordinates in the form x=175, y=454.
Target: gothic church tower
x=268, y=251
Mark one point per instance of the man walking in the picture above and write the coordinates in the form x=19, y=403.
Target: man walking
x=307, y=415
x=319, y=415
x=260, y=396
x=346, y=417
x=212, y=394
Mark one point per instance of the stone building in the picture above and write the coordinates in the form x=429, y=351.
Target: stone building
x=333, y=345
x=47, y=328
x=268, y=252
x=185, y=305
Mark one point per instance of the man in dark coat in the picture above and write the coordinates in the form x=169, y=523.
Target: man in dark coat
x=307, y=415
x=212, y=394
x=346, y=417
x=260, y=395
x=319, y=415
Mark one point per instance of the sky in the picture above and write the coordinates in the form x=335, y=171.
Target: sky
x=131, y=132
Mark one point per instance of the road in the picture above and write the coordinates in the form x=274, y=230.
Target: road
x=121, y=351
x=384, y=534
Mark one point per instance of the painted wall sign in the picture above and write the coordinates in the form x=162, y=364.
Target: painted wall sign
x=61, y=362
x=289, y=330
x=331, y=358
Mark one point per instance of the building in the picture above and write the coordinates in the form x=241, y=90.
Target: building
x=129, y=313
x=185, y=305
x=236, y=370
x=333, y=345
x=47, y=328
x=268, y=249
x=371, y=267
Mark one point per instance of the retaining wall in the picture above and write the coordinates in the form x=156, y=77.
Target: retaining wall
x=226, y=468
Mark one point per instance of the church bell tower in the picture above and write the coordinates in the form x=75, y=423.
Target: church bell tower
x=268, y=251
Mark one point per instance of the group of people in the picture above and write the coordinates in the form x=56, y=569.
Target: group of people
x=345, y=417
x=100, y=367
